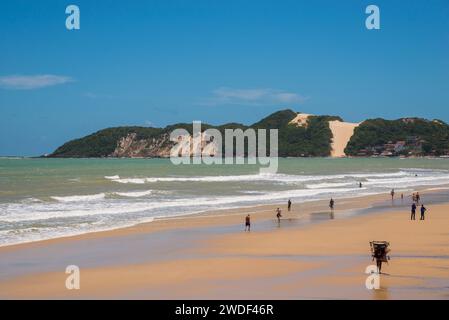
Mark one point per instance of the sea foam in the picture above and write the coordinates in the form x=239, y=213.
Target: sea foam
x=78, y=198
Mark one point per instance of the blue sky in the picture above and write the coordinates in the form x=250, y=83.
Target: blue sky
x=160, y=62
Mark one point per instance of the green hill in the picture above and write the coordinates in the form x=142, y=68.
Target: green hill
x=409, y=136
x=311, y=140
x=101, y=143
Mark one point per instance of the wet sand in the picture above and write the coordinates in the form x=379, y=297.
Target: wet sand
x=312, y=254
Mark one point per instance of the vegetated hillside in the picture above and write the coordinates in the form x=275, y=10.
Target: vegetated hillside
x=312, y=139
x=407, y=136
x=101, y=143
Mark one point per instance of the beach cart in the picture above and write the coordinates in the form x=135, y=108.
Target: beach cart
x=379, y=251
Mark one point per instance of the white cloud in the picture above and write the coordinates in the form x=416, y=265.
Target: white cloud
x=265, y=96
x=30, y=82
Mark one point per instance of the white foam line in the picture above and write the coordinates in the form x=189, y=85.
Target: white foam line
x=115, y=208
x=135, y=194
x=279, y=177
x=112, y=177
x=78, y=198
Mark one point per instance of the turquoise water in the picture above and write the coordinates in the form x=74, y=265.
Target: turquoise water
x=47, y=198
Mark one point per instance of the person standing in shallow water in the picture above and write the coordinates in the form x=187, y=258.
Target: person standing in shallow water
x=392, y=194
x=289, y=205
x=278, y=215
x=423, y=212
x=331, y=204
x=412, y=217
x=248, y=223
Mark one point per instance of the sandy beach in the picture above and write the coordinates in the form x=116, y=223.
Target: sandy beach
x=148, y=149
x=312, y=254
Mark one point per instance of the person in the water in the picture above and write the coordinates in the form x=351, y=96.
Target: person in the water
x=278, y=215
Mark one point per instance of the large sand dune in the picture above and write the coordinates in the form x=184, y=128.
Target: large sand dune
x=342, y=133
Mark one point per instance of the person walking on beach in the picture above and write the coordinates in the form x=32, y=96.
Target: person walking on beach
x=380, y=250
x=392, y=194
x=289, y=205
x=412, y=217
x=331, y=204
x=423, y=211
x=278, y=215
x=248, y=223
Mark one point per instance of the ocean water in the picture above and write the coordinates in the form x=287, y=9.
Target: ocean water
x=49, y=198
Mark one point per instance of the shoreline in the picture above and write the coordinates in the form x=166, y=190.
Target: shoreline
x=160, y=261
x=232, y=216
x=205, y=218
